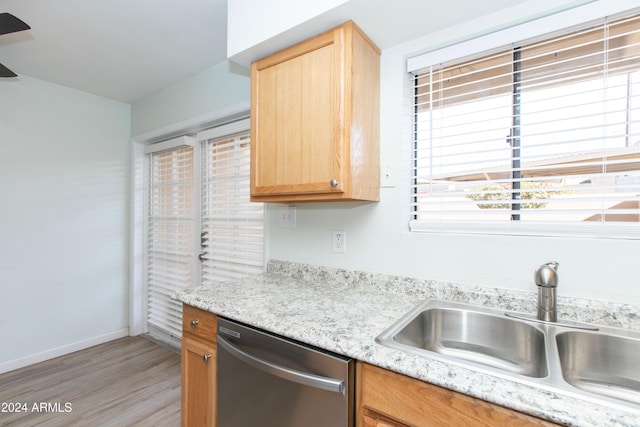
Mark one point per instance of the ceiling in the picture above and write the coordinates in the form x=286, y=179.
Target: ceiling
x=126, y=49
x=120, y=49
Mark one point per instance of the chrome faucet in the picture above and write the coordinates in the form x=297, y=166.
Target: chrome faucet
x=546, y=277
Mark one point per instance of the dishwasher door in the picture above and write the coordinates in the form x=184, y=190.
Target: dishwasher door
x=268, y=381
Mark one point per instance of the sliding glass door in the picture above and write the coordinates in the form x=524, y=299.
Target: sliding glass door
x=201, y=227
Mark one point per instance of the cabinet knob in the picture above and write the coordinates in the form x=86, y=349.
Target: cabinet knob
x=194, y=323
x=206, y=357
x=333, y=183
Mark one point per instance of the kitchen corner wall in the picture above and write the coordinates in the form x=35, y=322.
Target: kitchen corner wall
x=377, y=234
x=64, y=186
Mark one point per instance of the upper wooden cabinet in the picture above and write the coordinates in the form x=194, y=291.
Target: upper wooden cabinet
x=315, y=113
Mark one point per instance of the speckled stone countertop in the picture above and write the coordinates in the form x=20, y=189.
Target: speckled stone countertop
x=343, y=311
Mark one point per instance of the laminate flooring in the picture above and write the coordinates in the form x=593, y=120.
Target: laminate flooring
x=131, y=381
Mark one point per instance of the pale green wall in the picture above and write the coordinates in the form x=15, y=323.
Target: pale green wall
x=64, y=209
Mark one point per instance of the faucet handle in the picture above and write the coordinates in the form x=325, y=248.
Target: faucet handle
x=547, y=275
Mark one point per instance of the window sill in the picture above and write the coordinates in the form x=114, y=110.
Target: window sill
x=627, y=231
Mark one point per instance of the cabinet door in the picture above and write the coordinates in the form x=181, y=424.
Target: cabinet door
x=421, y=404
x=372, y=419
x=198, y=383
x=199, y=323
x=297, y=120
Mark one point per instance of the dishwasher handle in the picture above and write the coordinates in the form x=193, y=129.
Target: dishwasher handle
x=316, y=381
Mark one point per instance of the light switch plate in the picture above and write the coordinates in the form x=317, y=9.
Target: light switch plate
x=287, y=216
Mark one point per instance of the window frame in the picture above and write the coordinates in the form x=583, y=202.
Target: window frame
x=540, y=29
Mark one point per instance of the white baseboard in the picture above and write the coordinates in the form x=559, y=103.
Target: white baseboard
x=61, y=351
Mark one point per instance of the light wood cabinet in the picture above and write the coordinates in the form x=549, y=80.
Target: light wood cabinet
x=388, y=399
x=315, y=111
x=198, y=368
x=370, y=418
x=384, y=398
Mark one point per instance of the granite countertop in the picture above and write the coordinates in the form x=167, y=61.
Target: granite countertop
x=343, y=311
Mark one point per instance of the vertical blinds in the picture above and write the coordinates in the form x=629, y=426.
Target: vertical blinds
x=544, y=132
x=232, y=226
x=171, y=235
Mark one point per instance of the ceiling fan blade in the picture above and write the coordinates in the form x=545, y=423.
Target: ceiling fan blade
x=5, y=72
x=11, y=24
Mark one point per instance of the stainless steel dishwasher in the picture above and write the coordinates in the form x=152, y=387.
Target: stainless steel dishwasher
x=268, y=381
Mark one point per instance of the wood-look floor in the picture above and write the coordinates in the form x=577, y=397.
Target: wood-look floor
x=127, y=382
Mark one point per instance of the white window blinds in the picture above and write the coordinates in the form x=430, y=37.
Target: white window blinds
x=171, y=235
x=232, y=226
x=543, y=133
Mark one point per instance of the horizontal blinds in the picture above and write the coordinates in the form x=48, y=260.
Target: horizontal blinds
x=544, y=132
x=170, y=245
x=232, y=226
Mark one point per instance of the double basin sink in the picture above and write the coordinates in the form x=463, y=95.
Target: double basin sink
x=579, y=359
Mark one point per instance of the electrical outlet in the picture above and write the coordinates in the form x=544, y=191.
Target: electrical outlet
x=339, y=241
x=287, y=217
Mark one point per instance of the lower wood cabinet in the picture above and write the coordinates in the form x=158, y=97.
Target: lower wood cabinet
x=388, y=399
x=198, y=368
x=372, y=419
x=384, y=398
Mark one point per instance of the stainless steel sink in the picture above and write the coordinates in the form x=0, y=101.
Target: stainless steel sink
x=601, y=363
x=492, y=340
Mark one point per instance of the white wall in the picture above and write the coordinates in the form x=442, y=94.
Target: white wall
x=378, y=239
x=257, y=28
x=377, y=235
x=250, y=14
x=64, y=168
x=213, y=89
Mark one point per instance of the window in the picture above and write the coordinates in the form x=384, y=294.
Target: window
x=232, y=226
x=201, y=226
x=171, y=234
x=541, y=137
